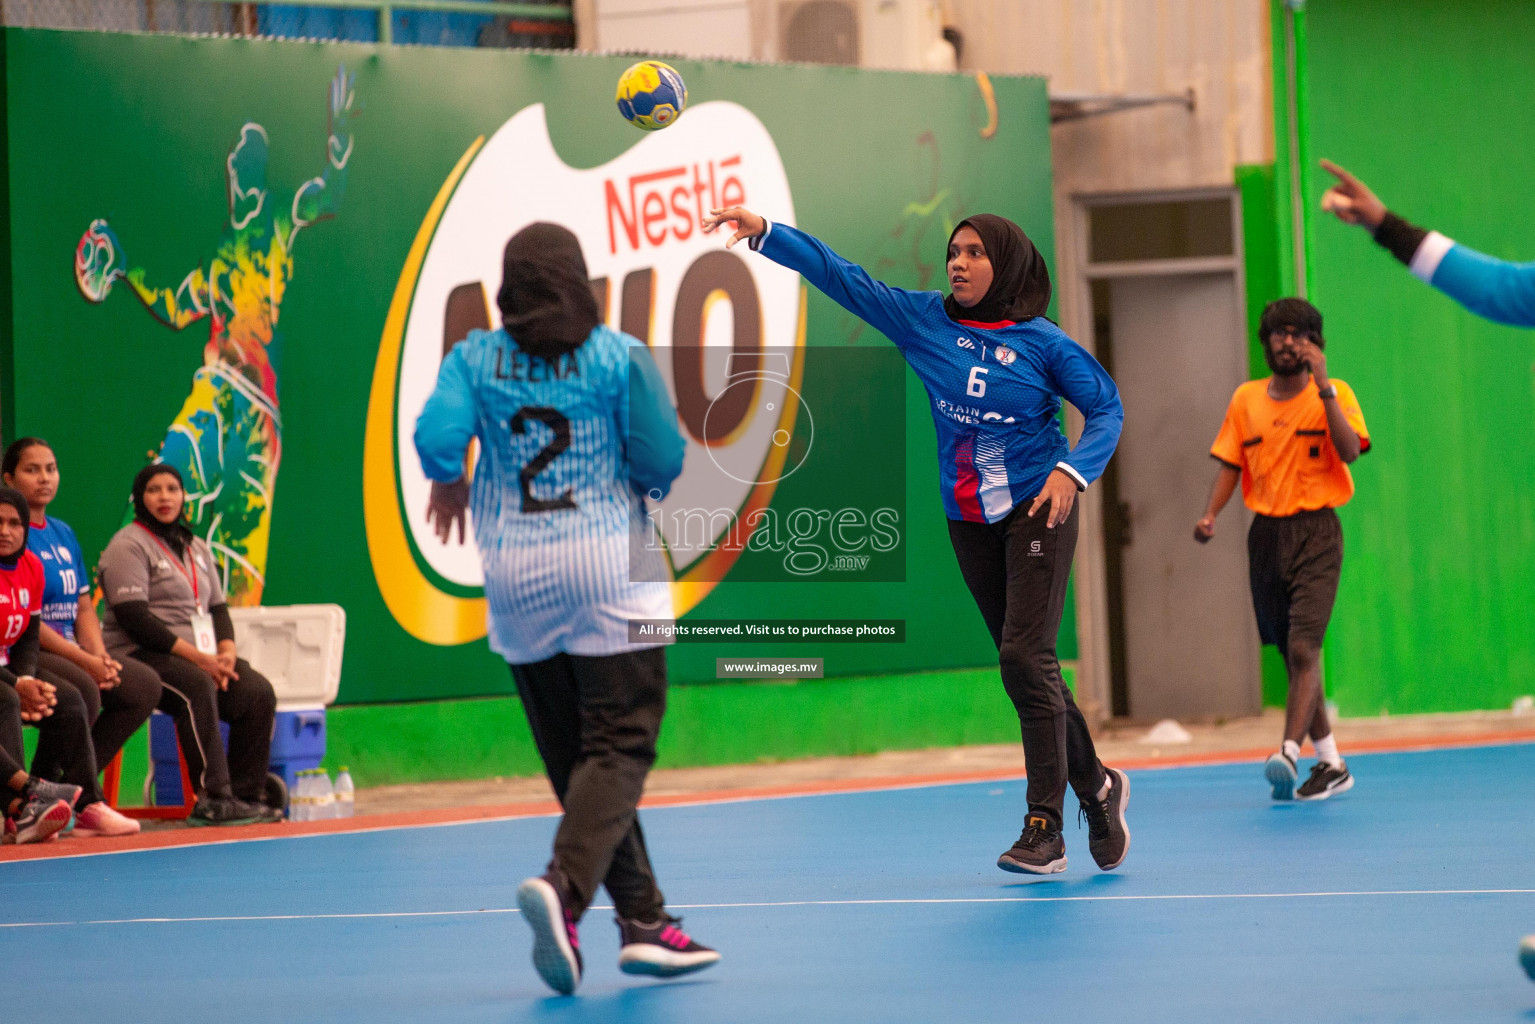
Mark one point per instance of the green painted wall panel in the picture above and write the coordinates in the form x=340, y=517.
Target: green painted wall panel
x=725, y=723
x=136, y=129
x=1263, y=270
x=1429, y=104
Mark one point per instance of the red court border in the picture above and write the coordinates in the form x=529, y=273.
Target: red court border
x=73, y=847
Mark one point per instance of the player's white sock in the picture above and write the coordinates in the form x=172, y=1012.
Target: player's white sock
x=1291, y=749
x=1327, y=750
x=1108, y=784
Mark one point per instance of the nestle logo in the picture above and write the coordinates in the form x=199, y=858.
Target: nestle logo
x=670, y=203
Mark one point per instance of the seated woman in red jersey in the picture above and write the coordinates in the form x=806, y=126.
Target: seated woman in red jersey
x=166, y=608
x=64, y=738
x=34, y=809
x=119, y=696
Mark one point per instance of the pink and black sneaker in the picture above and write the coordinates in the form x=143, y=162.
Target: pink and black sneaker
x=38, y=820
x=556, y=946
x=660, y=949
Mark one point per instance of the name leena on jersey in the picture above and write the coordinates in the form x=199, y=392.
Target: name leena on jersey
x=534, y=370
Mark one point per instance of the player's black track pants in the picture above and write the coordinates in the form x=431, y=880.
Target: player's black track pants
x=1017, y=571
x=595, y=721
x=63, y=743
x=114, y=714
x=193, y=699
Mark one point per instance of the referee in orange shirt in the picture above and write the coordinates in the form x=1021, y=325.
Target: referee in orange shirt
x=1289, y=439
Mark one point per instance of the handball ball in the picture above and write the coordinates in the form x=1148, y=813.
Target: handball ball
x=651, y=95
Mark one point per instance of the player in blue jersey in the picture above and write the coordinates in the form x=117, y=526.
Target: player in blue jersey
x=574, y=427
x=995, y=369
x=119, y=696
x=1489, y=287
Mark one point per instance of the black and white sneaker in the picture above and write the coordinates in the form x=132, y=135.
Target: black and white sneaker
x=1040, y=850
x=660, y=949
x=222, y=810
x=1326, y=780
x=556, y=946
x=1279, y=769
x=1108, y=837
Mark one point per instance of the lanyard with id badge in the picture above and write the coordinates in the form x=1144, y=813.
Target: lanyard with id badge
x=203, y=635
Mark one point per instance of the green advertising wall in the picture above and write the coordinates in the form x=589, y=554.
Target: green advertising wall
x=137, y=130
x=1430, y=104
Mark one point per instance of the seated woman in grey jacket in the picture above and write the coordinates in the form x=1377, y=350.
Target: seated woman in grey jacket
x=166, y=608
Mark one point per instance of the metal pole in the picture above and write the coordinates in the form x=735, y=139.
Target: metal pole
x=1292, y=109
x=385, y=24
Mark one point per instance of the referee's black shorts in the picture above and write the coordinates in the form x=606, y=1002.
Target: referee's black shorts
x=1293, y=564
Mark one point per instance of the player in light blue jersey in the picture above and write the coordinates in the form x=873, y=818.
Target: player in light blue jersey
x=1496, y=289
x=1499, y=290
x=575, y=428
x=995, y=369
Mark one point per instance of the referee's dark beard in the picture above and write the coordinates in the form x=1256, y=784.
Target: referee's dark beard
x=1286, y=365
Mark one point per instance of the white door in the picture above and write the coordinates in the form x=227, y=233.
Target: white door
x=1190, y=643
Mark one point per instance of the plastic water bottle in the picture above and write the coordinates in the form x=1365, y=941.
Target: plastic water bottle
x=301, y=786
x=344, y=793
x=311, y=797
x=326, y=803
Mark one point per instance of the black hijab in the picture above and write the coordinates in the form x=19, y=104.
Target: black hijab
x=546, y=301
x=1020, y=283
x=176, y=534
x=11, y=496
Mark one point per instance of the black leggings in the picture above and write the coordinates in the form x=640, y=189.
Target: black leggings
x=193, y=699
x=1017, y=572
x=114, y=714
x=595, y=721
x=63, y=742
x=12, y=752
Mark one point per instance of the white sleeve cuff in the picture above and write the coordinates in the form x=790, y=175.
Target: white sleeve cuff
x=755, y=244
x=1081, y=484
x=1431, y=251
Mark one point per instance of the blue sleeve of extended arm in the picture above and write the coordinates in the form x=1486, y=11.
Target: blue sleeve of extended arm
x=1493, y=288
x=890, y=311
x=649, y=425
x=1087, y=385
x=448, y=420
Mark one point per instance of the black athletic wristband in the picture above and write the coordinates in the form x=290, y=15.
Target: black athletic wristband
x=1399, y=237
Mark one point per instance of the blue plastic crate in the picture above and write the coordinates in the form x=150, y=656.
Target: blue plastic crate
x=165, y=762
x=298, y=743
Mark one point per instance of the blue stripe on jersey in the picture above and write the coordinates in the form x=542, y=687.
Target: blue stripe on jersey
x=994, y=392
x=559, y=528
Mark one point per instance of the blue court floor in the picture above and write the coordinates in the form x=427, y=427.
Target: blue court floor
x=1403, y=900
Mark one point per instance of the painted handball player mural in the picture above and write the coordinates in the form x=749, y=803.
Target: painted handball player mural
x=227, y=439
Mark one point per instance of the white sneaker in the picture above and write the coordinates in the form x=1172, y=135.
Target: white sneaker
x=98, y=819
x=1279, y=769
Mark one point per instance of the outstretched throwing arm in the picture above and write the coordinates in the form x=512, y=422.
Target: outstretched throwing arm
x=100, y=262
